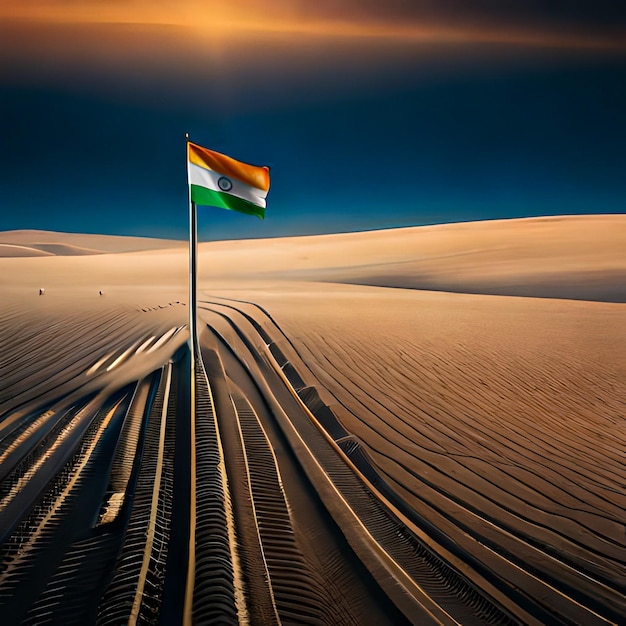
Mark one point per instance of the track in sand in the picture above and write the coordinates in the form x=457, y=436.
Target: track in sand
x=270, y=501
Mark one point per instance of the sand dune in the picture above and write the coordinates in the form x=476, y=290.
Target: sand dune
x=449, y=450
x=12, y=250
x=45, y=249
x=78, y=244
x=572, y=257
x=579, y=257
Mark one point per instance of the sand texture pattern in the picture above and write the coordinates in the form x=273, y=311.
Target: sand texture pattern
x=421, y=425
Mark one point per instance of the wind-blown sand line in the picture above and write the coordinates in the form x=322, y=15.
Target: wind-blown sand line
x=294, y=585
x=50, y=327
x=117, y=600
x=388, y=365
x=187, y=617
x=134, y=613
x=218, y=590
x=481, y=510
x=364, y=365
x=123, y=356
x=53, y=512
x=73, y=512
x=389, y=504
x=353, y=519
x=66, y=359
x=445, y=459
x=343, y=583
x=29, y=429
x=478, y=409
x=36, y=377
x=66, y=438
x=585, y=564
x=390, y=400
x=126, y=451
x=367, y=502
x=509, y=387
x=75, y=583
x=257, y=592
x=572, y=592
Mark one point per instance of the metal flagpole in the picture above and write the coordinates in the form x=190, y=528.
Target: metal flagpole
x=193, y=351
x=193, y=261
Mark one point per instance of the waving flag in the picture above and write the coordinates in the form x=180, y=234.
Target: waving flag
x=218, y=180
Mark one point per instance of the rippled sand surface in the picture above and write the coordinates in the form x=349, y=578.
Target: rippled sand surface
x=413, y=426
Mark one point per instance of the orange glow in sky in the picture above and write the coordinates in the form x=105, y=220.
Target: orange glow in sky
x=289, y=17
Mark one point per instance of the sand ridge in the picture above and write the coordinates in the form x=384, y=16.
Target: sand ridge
x=78, y=243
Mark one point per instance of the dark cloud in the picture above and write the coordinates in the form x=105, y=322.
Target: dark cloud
x=559, y=15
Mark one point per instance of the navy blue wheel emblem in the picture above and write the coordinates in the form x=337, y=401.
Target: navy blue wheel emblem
x=224, y=184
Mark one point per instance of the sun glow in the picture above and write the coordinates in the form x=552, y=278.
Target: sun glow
x=286, y=18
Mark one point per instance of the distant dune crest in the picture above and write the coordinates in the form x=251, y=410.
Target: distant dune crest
x=75, y=244
x=571, y=257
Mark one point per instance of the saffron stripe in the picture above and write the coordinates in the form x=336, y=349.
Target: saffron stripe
x=208, y=197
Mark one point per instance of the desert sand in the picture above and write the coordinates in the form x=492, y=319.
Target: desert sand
x=420, y=425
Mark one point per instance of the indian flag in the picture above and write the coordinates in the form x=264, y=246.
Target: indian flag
x=217, y=180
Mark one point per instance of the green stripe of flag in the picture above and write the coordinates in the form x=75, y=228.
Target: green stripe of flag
x=208, y=197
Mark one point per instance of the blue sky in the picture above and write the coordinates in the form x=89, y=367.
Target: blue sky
x=378, y=129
